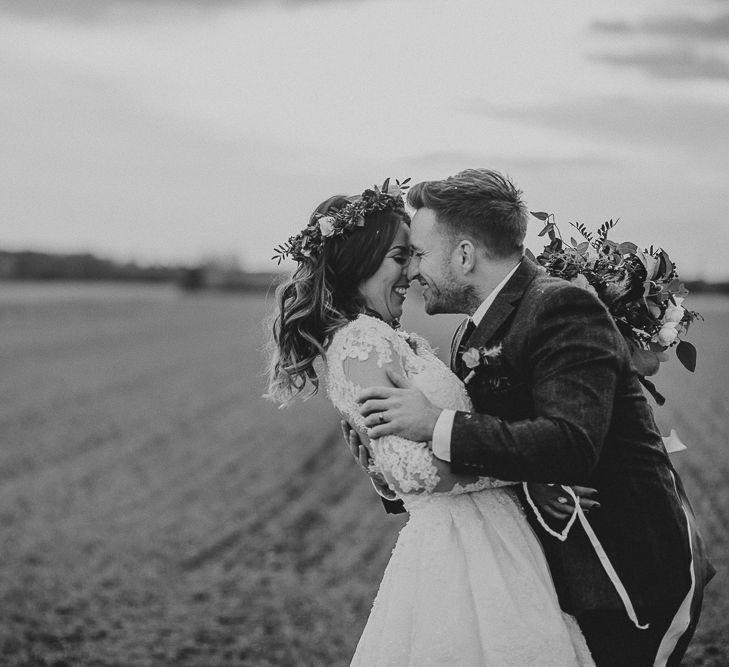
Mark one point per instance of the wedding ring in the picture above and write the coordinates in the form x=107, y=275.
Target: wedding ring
x=382, y=417
x=562, y=500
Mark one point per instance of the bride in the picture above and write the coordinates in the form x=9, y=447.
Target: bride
x=467, y=583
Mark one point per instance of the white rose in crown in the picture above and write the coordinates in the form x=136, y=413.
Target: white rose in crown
x=326, y=225
x=393, y=190
x=474, y=357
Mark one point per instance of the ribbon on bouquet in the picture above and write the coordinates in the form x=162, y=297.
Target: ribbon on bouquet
x=578, y=514
x=673, y=443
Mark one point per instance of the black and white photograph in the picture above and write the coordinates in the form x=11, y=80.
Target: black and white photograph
x=364, y=332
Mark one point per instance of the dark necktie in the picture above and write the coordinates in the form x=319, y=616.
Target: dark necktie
x=470, y=328
x=467, y=331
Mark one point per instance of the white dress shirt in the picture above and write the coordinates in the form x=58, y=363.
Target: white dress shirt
x=441, y=442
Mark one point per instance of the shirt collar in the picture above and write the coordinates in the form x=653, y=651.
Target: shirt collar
x=486, y=303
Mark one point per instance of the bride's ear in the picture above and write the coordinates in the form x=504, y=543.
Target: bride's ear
x=465, y=256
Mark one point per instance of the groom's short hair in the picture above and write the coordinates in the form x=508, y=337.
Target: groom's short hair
x=477, y=203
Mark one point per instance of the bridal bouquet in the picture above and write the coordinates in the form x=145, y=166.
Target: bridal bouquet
x=640, y=288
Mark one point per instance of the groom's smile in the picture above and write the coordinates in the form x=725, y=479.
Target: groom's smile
x=429, y=263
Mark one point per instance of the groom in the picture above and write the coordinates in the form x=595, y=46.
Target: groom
x=556, y=400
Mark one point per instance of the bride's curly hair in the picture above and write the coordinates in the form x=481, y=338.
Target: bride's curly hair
x=322, y=295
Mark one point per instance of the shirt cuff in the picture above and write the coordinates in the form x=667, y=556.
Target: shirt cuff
x=441, y=443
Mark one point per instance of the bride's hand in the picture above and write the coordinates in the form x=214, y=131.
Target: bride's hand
x=362, y=455
x=555, y=502
x=358, y=449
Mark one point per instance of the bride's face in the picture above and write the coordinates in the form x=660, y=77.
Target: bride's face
x=384, y=292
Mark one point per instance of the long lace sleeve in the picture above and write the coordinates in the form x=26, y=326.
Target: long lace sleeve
x=358, y=358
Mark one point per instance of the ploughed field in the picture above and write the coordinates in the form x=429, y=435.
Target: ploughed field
x=155, y=510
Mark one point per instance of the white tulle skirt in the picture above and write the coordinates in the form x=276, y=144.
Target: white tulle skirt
x=468, y=585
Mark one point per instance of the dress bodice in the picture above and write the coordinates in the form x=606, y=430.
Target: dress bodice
x=368, y=340
x=367, y=336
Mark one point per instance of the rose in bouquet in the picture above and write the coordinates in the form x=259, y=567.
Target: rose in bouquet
x=640, y=288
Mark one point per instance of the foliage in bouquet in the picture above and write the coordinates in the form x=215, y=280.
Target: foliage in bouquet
x=640, y=288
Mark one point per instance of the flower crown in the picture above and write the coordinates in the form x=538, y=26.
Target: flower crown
x=310, y=241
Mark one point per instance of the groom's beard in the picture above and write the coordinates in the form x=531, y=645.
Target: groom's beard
x=453, y=298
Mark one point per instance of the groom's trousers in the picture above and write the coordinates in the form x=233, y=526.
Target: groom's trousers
x=615, y=642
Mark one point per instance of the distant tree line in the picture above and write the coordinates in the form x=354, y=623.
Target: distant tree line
x=32, y=265
x=705, y=287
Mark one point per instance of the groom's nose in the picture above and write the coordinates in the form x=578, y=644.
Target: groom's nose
x=413, y=268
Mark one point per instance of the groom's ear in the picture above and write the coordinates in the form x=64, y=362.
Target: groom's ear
x=465, y=256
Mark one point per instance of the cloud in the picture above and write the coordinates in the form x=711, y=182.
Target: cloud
x=90, y=10
x=691, y=128
x=683, y=27
x=670, y=47
x=83, y=11
x=447, y=162
x=620, y=27
x=674, y=64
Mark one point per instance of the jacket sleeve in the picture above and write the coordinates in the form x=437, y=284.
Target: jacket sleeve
x=393, y=506
x=571, y=357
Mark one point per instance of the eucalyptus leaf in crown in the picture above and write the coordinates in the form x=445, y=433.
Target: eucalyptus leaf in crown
x=309, y=242
x=640, y=288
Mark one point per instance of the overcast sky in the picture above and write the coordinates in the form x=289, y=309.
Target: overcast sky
x=175, y=131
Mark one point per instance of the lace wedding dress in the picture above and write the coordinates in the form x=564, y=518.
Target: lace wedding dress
x=467, y=583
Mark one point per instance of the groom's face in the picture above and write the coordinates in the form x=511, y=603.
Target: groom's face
x=431, y=264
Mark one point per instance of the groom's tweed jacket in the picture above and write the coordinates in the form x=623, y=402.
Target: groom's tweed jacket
x=563, y=403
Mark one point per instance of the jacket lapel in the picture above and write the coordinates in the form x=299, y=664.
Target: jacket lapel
x=504, y=304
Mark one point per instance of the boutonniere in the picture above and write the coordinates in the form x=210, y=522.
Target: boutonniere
x=474, y=357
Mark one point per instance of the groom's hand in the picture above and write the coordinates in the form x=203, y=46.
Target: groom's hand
x=558, y=504
x=400, y=410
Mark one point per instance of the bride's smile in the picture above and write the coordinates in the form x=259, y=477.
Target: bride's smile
x=385, y=291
